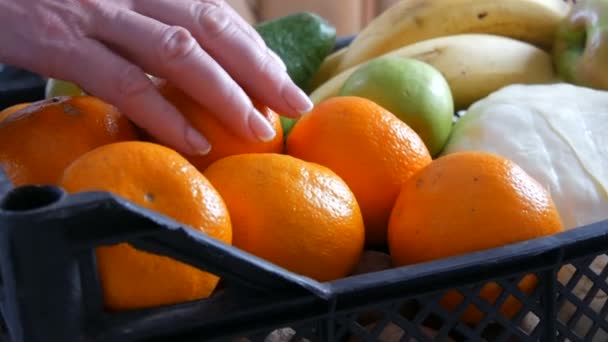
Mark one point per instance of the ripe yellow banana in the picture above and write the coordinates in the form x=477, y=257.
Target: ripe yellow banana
x=474, y=65
x=327, y=68
x=411, y=21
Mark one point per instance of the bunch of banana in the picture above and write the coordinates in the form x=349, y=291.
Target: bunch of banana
x=473, y=64
x=484, y=44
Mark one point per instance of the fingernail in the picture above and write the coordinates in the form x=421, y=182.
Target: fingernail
x=278, y=59
x=297, y=99
x=260, y=127
x=197, y=142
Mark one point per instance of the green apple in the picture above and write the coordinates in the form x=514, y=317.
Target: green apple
x=55, y=87
x=416, y=92
x=580, y=50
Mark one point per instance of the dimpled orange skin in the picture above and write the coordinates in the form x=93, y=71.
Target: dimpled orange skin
x=223, y=141
x=38, y=141
x=296, y=214
x=465, y=202
x=159, y=179
x=367, y=146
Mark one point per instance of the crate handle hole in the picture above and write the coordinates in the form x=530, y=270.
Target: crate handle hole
x=31, y=197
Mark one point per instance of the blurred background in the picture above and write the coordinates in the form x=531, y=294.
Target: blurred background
x=347, y=16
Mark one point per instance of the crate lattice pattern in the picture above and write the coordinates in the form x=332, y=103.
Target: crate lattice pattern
x=581, y=301
x=3, y=331
x=425, y=319
x=582, y=295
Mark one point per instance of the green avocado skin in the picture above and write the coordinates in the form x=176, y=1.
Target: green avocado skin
x=302, y=40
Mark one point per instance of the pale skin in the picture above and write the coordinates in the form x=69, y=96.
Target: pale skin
x=107, y=46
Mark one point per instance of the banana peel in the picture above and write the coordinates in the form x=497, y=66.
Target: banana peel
x=411, y=21
x=474, y=65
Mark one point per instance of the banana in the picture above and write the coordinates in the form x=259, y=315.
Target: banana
x=474, y=65
x=411, y=21
x=327, y=68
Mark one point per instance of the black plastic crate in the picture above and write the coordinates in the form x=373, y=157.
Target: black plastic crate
x=49, y=289
x=18, y=86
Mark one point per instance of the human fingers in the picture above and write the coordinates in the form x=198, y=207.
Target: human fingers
x=110, y=77
x=253, y=66
x=242, y=24
x=172, y=53
x=252, y=33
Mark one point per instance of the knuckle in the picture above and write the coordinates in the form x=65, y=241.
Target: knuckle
x=177, y=44
x=214, y=2
x=213, y=20
x=264, y=64
x=69, y=20
x=53, y=27
x=92, y=5
x=131, y=81
x=57, y=54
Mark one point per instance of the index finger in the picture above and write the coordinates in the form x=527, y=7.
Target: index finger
x=112, y=78
x=253, y=66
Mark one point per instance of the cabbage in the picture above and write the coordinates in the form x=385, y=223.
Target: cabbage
x=559, y=134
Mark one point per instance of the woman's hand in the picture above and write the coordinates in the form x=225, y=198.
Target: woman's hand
x=108, y=46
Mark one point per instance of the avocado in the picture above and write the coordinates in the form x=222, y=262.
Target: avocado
x=302, y=40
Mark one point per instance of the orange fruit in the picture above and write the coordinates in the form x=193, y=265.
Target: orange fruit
x=40, y=140
x=465, y=202
x=223, y=141
x=11, y=109
x=367, y=146
x=160, y=179
x=298, y=215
